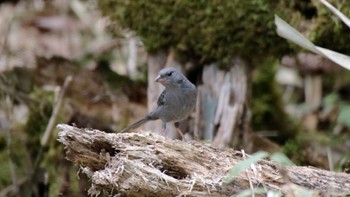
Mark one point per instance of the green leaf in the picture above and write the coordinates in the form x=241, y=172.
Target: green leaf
x=344, y=115
x=328, y=103
x=274, y=193
x=243, y=165
x=281, y=159
x=306, y=193
x=250, y=192
x=288, y=32
x=335, y=11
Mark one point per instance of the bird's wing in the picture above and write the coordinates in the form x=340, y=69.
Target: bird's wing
x=161, y=100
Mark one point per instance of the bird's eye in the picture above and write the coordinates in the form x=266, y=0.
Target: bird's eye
x=169, y=74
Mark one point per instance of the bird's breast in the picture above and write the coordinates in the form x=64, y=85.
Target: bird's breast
x=180, y=105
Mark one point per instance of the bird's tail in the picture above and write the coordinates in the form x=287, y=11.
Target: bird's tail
x=135, y=125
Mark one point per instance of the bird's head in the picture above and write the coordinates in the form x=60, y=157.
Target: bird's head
x=169, y=77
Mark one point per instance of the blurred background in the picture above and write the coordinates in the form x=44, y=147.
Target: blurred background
x=92, y=64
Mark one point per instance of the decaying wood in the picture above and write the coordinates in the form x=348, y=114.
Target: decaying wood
x=147, y=164
x=222, y=111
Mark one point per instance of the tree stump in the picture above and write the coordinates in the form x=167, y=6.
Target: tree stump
x=147, y=164
x=223, y=109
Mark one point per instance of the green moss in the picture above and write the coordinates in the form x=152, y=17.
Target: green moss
x=213, y=31
x=293, y=148
x=329, y=31
x=40, y=113
x=208, y=31
x=5, y=175
x=318, y=23
x=18, y=154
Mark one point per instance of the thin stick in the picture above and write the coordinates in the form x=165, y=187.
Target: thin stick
x=48, y=131
x=246, y=171
x=330, y=159
x=12, y=190
x=52, y=121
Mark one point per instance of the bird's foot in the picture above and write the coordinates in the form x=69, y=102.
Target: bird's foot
x=162, y=132
x=181, y=134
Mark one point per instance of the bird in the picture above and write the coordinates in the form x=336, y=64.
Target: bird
x=175, y=103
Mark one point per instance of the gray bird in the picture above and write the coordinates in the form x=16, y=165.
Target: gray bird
x=175, y=103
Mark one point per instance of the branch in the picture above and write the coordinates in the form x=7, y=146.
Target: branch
x=57, y=107
x=147, y=164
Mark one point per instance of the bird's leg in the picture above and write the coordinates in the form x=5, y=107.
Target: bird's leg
x=177, y=124
x=163, y=129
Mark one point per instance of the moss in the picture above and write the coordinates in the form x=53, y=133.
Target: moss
x=18, y=154
x=298, y=148
x=208, y=31
x=308, y=148
x=293, y=148
x=318, y=23
x=329, y=31
x=40, y=113
x=5, y=175
x=214, y=31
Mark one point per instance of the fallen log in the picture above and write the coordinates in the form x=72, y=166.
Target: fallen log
x=147, y=164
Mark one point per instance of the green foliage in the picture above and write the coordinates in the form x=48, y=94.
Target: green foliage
x=208, y=31
x=267, y=105
x=250, y=192
x=18, y=155
x=333, y=101
x=40, y=113
x=5, y=169
x=244, y=164
x=329, y=102
x=278, y=157
x=344, y=115
x=281, y=159
x=294, y=147
x=344, y=164
x=320, y=25
x=328, y=30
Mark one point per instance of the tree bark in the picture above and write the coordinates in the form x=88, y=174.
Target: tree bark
x=224, y=104
x=147, y=164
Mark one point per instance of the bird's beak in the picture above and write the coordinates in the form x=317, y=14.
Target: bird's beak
x=159, y=79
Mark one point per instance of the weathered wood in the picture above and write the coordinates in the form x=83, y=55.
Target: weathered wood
x=223, y=112
x=147, y=164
